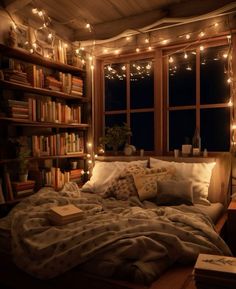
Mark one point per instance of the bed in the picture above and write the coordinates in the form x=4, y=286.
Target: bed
x=130, y=235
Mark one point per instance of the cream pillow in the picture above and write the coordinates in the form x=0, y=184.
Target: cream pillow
x=198, y=173
x=105, y=172
x=146, y=184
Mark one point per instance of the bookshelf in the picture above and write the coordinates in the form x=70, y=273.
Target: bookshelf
x=43, y=103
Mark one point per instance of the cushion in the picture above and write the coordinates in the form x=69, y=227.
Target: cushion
x=173, y=193
x=124, y=185
x=105, y=172
x=146, y=184
x=198, y=173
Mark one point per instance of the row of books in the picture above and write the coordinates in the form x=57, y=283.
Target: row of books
x=215, y=272
x=56, y=178
x=43, y=110
x=33, y=75
x=57, y=144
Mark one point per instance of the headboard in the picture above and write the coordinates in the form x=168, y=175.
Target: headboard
x=220, y=184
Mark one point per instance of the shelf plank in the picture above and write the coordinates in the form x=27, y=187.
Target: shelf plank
x=26, y=122
x=42, y=91
x=26, y=56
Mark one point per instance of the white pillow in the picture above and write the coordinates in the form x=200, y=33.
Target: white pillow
x=198, y=173
x=105, y=172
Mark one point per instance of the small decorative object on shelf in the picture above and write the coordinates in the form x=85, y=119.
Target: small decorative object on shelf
x=205, y=153
x=196, y=142
x=129, y=150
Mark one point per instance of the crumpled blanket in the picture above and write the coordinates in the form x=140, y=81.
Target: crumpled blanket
x=127, y=239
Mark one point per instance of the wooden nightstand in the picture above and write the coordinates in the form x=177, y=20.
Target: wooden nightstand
x=231, y=227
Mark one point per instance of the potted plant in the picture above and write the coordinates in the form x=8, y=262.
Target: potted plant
x=116, y=136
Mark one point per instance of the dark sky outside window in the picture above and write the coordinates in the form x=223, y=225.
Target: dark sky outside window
x=141, y=84
x=215, y=129
x=181, y=127
x=213, y=73
x=115, y=87
x=142, y=126
x=182, y=79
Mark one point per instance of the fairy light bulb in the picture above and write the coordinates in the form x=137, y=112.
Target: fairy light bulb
x=146, y=40
x=229, y=80
x=171, y=59
x=233, y=127
x=34, y=10
x=216, y=24
x=201, y=48
x=50, y=36
x=92, y=67
x=88, y=155
x=225, y=55
x=89, y=144
x=40, y=13
x=230, y=103
x=137, y=50
x=149, y=48
x=185, y=55
x=187, y=36
x=202, y=34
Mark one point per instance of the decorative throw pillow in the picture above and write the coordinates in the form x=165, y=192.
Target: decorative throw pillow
x=123, y=186
x=146, y=184
x=174, y=193
x=198, y=173
x=105, y=172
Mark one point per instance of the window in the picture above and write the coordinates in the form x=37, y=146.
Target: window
x=129, y=97
x=198, y=96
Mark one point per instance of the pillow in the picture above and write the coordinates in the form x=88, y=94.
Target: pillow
x=124, y=185
x=172, y=193
x=198, y=173
x=146, y=184
x=104, y=172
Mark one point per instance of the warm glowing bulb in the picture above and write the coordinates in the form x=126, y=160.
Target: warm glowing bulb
x=123, y=67
x=50, y=36
x=127, y=38
x=77, y=50
x=171, y=59
x=40, y=13
x=185, y=55
x=225, y=55
x=87, y=26
x=34, y=10
x=146, y=40
x=201, y=47
x=89, y=144
x=96, y=156
x=137, y=49
x=187, y=36
x=230, y=103
x=117, y=51
x=31, y=50
x=89, y=161
x=105, y=50
x=229, y=80
x=149, y=48
x=165, y=41
x=202, y=34
x=233, y=127
x=92, y=67
x=90, y=57
x=216, y=24
x=34, y=45
x=88, y=155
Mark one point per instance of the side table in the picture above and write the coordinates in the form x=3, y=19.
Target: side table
x=231, y=227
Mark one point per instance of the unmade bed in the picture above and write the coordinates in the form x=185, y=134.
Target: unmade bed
x=127, y=232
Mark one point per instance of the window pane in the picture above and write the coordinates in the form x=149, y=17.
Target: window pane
x=142, y=126
x=115, y=87
x=115, y=119
x=181, y=128
x=141, y=84
x=213, y=73
x=215, y=129
x=182, y=79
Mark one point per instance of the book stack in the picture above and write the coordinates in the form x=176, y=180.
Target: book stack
x=77, y=86
x=23, y=189
x=215, y=272
x=16, y=76
x=52, y=83
x=17, y=109
x=75, y=175
x=61, y=215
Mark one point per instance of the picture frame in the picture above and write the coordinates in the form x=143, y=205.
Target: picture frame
x=22, y=36
x=39, y=49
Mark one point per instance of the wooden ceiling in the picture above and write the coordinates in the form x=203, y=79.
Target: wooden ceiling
x=110, y=19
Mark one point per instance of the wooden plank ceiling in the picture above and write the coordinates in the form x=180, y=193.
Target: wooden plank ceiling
x=112, y=18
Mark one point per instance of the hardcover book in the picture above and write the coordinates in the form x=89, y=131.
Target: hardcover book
x=61, y=215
